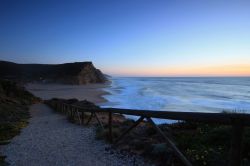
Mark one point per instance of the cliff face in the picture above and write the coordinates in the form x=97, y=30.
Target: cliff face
x=68, y=73
x=89, y=74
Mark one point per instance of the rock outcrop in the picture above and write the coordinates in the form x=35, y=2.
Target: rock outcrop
x=68, y=73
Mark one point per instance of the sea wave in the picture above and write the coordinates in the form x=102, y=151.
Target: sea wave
x=180, y=94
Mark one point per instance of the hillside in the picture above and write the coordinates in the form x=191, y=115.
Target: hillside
x=68, y=73
x=15, y=102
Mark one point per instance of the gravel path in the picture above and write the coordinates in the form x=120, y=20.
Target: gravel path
x=50, y=140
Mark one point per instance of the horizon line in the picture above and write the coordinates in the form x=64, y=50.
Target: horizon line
x=203, y=76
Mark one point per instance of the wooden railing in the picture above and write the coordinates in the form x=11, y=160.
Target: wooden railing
x=237, y=120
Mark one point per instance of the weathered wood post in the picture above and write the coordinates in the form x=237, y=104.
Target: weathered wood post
x=71, y=112
x=91, y=116
x=235, y=151
x=74, y=112
x=129, y=129
x=82, y=117
x=110, y=127
x=60, y=107
x=171, y=144
x=66, y=109
x=78, y=116
x=98, y=120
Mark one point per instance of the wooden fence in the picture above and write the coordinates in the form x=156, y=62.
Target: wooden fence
x=237, y=120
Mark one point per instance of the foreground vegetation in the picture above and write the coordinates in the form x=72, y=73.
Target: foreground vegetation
x=14, y=114
x=202, y=144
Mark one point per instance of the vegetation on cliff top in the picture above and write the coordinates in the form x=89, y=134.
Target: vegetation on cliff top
x=68, y=73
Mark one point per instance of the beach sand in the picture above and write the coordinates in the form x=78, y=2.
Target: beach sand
x=92, y=92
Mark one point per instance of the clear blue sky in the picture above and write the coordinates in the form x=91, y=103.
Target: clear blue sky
x=130, y=37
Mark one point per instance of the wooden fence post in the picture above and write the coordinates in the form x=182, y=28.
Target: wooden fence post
x=98, y=120
x=129, y=129
x=91, y=116
x=64, y=108
x=71, y=112
x=171, y=144
x=60, y=107
x=110, y=127
x=235, y=151
x=82, y=117
x=67, y=110
x=78, y=116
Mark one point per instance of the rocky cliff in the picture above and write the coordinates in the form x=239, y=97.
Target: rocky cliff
x=68, y=73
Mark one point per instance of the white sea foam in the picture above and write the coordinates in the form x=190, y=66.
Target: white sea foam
x=180, y=94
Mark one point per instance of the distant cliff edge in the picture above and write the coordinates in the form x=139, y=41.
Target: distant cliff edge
x=69, y=73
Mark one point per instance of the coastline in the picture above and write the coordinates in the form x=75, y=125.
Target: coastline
x=144, y=141
x=203, y=94
x=91, y=92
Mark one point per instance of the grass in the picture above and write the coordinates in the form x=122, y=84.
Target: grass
x=202, y=144
x=14, y=114
x=207, y=144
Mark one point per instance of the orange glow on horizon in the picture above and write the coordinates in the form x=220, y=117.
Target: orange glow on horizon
x=223, y=70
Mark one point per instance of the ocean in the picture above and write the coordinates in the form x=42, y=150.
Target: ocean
x=189, y=94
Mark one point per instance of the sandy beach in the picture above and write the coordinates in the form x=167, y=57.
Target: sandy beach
x=90, y=92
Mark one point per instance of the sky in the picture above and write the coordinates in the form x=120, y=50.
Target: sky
x=130, y=37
